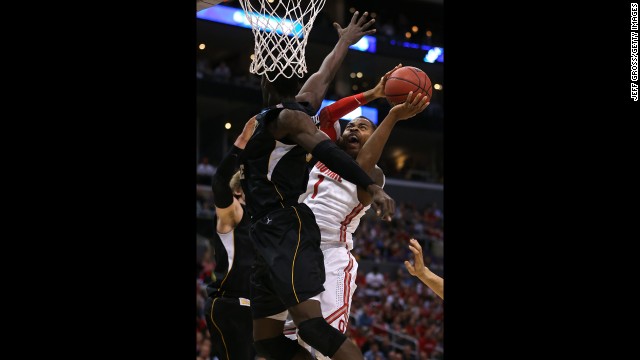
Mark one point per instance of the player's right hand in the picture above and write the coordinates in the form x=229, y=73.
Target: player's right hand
x=384, y=204
x=378, y=91
x=418, y=266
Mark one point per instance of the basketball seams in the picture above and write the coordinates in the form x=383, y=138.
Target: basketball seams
x=402, y=79
x=407, y=81
x=418, y=77
x=420, y=86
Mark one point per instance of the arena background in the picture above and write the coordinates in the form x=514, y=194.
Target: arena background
x=538, y=157
x=404, y=318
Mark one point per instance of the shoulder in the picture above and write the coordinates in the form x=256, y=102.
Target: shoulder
x=295, y=117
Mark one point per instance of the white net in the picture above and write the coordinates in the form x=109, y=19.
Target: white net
x=281, y=29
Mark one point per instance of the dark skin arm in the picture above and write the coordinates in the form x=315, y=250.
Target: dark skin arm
x=316, y=86
x=298, y=127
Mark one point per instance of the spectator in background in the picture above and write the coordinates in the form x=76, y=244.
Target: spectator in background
x=374, y=280
x=408, y=353
x=374, y=353
x=203, y=68
x=205, y=350
x=206, y=265
x=205, y=171
x=222, y=72
x=204, y=168
x=385, y=345
x=364, y=320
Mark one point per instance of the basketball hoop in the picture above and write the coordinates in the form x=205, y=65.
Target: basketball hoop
x=281, y=29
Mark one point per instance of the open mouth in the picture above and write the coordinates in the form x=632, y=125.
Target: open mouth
x=353, y=139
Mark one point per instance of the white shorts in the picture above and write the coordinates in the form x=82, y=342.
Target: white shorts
x=341, y=269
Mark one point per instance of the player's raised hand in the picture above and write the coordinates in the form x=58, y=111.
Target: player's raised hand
x=417, y=267
x=415, y=103
x=357, y=28
x=378, y=91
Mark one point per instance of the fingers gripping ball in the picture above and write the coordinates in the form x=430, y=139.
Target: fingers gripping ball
x=404, y=80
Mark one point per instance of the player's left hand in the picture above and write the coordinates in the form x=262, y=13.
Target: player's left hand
x=378, y=91
x=357, y=28
x=415, y=103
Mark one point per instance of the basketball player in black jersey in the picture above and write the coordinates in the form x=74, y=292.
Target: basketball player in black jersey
x=227, y=308
x=289, y=268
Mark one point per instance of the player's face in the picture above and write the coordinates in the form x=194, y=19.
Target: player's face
x=355, y=135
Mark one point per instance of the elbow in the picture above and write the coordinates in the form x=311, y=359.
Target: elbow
x=218, y=184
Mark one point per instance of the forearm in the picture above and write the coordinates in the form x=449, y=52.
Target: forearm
x=370, y=95
x=371, y=151
x=342, y=107
x=342, y=164
x=240, y=143
x=301, y=130
x=329, y=115
x=433, y=281
x=222, y=194
x=332, y=62
x=316, y=86
x=247, y=132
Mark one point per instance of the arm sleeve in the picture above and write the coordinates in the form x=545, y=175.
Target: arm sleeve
x=222, y=194
x=329, y=115
x=341, y=163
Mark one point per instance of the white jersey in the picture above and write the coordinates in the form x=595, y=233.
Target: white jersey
x=334, y=202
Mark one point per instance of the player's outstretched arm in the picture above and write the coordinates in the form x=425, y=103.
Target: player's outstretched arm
x=433, y=281
x=228, y=209
x=316, y=86
x=371, y=151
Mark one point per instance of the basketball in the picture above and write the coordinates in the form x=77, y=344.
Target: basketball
x=404, y=80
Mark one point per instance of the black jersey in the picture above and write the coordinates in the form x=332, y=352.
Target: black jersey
x=234, y=256
x=273, y=171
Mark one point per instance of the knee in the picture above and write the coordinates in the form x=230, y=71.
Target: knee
x=321, y=336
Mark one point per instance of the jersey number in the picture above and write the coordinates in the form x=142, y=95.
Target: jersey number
x=315, y=187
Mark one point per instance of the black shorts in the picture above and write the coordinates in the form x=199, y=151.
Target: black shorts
x=231, y=328
x=289, y=265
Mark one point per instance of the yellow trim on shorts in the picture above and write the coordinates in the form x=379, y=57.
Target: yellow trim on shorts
x=295, y=254
x=214, y=324
x=281, y=198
